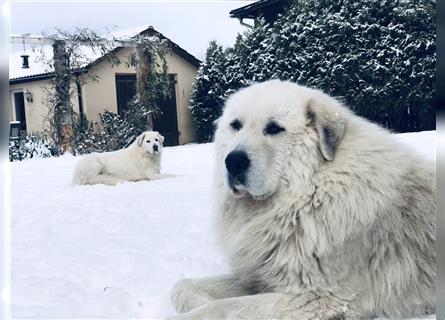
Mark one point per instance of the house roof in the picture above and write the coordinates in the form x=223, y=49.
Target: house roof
x=256, y=9
x=150, y=31
x=33, y=77
x=175, y=47
x=39, y=76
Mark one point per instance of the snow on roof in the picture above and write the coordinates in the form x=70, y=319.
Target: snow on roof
x=128, y=33
x=37, y=67
x=15, y=65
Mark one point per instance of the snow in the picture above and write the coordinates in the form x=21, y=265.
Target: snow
x=116, y=251
x=35, y=66
x=39, y=55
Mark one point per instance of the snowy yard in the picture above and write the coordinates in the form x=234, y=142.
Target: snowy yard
x=115, y=252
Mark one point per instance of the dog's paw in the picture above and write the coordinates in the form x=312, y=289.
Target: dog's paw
x=175, y=317
x=213, y=310
x=186, y=296
x=181, y=316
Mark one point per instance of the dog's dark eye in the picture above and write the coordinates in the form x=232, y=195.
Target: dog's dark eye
x=156, y=139
x=236, y=125
x=148, y=141
x=273, y=128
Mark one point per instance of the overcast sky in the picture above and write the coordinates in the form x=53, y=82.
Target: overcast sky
x=190, y=24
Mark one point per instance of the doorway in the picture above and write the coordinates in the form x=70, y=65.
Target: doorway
x=19, y=109
x=167, y=122
x=125, y=91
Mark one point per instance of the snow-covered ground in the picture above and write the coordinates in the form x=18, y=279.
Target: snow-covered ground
x=115, y=252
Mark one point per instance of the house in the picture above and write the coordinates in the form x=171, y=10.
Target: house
x=115, y=87
x=267, y=9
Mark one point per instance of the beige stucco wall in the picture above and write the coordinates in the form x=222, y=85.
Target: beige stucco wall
x=101, y=94
x=37, y=111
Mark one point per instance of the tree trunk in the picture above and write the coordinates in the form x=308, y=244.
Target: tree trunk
x=62, y=110
x=142, y=72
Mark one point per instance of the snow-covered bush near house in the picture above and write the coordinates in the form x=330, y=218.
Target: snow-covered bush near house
x=31, y=146
x=112, y=132
x=116, y=251
x=377, y=56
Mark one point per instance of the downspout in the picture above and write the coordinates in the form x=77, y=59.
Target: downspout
x=79, y=95
x=244, y=24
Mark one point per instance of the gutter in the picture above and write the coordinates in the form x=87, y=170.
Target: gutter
x=244, y=24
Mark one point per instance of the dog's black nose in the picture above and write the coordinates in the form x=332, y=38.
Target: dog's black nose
x=155, y=147
x=237, y=162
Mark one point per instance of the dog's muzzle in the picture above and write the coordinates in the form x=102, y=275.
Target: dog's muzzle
x=155, y=148
x=237, y=164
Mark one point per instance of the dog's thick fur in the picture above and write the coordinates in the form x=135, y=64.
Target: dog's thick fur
x=333, y=220
x=139, y=161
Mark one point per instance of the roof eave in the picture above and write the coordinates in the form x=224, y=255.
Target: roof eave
x=250, y=11
x=39, y=77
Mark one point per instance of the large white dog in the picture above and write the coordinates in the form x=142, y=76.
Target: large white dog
x=139, y=161
x=322, y=214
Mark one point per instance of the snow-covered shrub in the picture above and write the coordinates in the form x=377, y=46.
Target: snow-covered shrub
x=88, y=136
x=376, y=56
x=137, y=118
x=84, y=137
x=32, y=146
x=115, y=133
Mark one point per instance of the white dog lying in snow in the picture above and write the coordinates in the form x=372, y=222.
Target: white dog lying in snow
x=139, y=161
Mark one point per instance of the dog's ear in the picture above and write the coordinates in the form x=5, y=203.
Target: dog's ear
x=141, y=139
x=329, y=125
x=161, y=137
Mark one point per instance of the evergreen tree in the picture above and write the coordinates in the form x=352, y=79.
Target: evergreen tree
x=376, y=56
x=208, y=92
